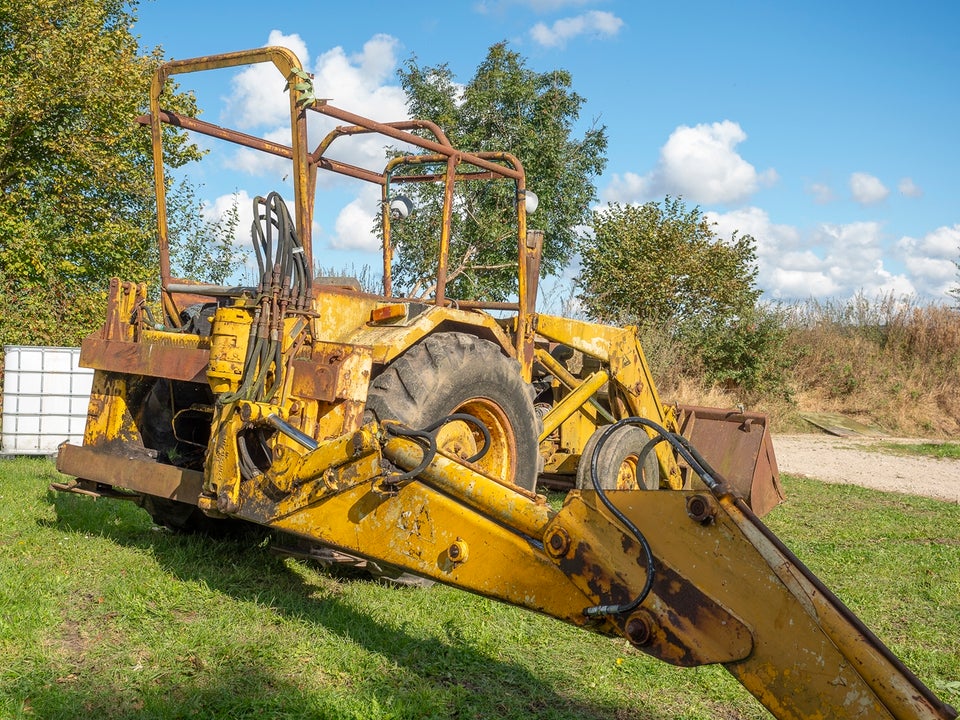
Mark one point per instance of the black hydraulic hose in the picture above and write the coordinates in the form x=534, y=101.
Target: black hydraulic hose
x=428, y=454
x=686, y=451
x=285, y=282
x=647, y=449
x=701, y=462
x=470, y=419
x=428, y=434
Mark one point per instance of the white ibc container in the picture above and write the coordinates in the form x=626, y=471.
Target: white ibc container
x=45, y=397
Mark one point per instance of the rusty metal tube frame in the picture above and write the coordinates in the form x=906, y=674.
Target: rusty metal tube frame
x=306, y=163
x=496, y=164
x=286, y=62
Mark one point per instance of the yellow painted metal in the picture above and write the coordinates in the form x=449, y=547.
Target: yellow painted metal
x=573, y=402
x=228, y=348
x=389, y=313
x=811, y=658
x=332, y=483
x=684, y=625
x=343, y=316
x=335, y=453
x=108, y=413
x=629, y=372
x=221, y=471
x=415, y=527
x=556, y=368
x=722, y=591
x=123, y=301
x=182, y=340
x=524, y=511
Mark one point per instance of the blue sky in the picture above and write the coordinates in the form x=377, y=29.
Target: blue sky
x=827, y=130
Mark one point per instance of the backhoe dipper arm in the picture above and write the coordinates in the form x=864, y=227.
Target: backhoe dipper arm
x=698, y=579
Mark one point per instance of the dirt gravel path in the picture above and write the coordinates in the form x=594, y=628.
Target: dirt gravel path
x=849, y=460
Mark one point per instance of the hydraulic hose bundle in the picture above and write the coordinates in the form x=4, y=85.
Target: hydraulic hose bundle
x=283, y=268
x=285, y=288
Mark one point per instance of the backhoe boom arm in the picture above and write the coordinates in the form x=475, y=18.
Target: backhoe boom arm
x=723, y=588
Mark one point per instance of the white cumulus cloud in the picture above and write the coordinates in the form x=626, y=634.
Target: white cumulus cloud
x=360, y=82
x=353, y=228
x=830, y=261
x=258, y=99
x=699, y=163
x=629, y=188
x=944, y=242
x=854, y=258
x=908, y=188
x=596, y=23
x=822, y=193
x=867, y=189
x=771, y=237
x=802, y=284
x=775, y=243
x=931, y=259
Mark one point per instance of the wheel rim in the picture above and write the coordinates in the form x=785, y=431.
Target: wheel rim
x=627, y=476
x=462, y=440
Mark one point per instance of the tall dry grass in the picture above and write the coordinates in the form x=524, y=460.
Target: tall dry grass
x=888, y=361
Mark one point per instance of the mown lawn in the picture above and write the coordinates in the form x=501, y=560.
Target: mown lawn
x=104, y=615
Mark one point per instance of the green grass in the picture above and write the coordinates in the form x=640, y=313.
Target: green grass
x=103, y=615
x=945, y=450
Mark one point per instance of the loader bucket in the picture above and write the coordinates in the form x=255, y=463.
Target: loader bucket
x=739, y=448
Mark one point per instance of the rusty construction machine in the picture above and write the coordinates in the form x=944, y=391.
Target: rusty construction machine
x=411, y=433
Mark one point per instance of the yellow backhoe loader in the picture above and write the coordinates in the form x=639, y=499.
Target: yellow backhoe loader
x=412, y=432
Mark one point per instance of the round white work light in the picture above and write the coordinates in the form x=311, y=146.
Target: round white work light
x=400, y=207
x=530, y=201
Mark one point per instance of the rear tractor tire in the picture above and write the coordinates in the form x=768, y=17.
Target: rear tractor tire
x=454, y=372
x=619, y=464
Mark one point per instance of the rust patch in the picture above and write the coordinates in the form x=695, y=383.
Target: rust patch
x=143, y=358
x=689, y=628
x=583, y=562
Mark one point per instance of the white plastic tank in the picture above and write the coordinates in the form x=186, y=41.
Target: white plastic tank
x=45, y=398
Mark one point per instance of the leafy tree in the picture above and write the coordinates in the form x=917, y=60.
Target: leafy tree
x=505, y=107
x=202, y=249
x=75, y=168
x=662, y=264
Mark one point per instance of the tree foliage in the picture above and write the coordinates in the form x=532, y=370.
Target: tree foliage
x=662, y=264
x=75, y=168
x=201, y=248
x=505, y=107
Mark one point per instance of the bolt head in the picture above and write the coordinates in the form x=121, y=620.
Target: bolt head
x=639, y=629
x=700, y=509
